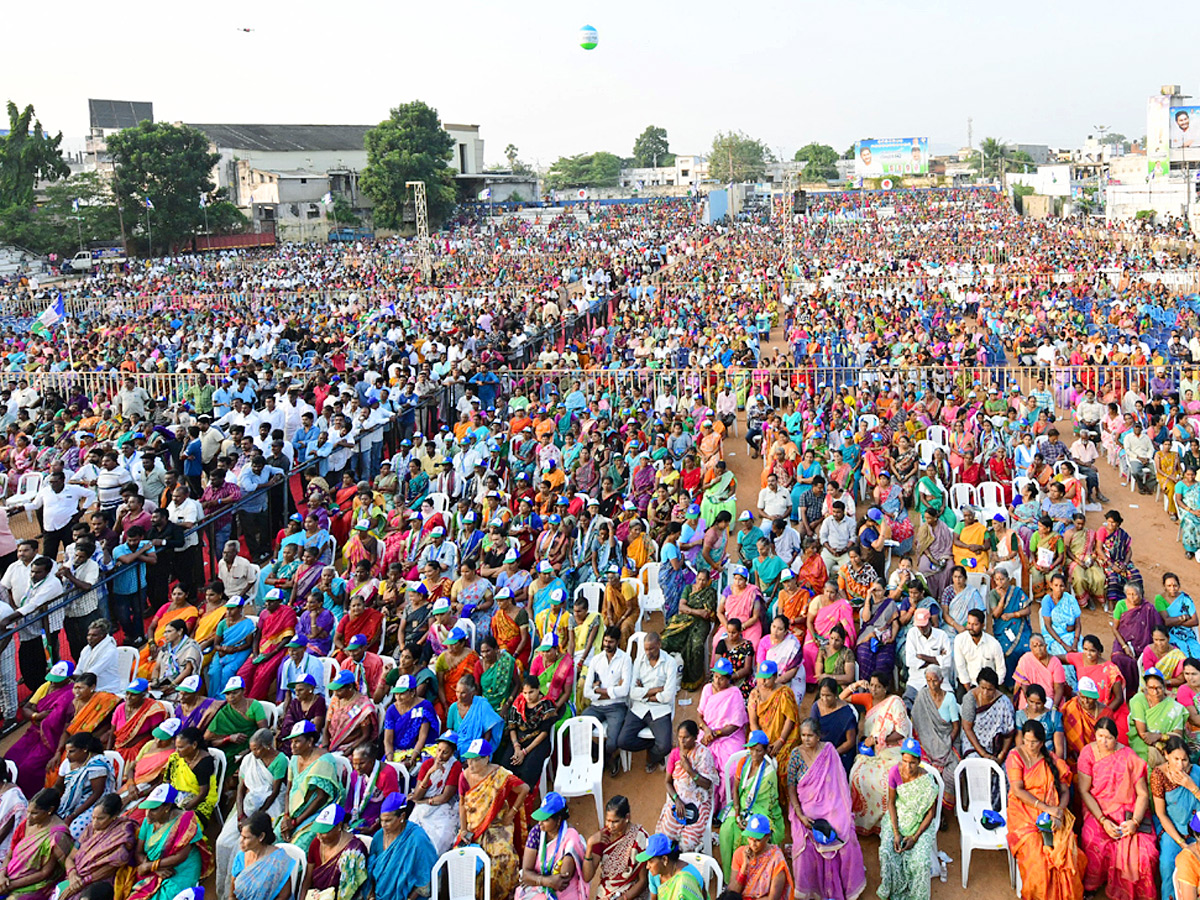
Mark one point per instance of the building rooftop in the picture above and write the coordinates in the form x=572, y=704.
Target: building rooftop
x=119, y=113
x=285, y=138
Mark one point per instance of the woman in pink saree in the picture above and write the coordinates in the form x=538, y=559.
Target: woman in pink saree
x=50, y=710
x=1121, y=852
x=1037, y=666
x=743, y=602
x=818, y=792
x=825, y=611
x=723, y=720
x=38, y=856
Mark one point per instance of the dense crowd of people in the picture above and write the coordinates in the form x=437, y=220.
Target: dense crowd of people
x=483, y=547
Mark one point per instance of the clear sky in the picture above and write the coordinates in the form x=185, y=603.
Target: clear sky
x=785, y=72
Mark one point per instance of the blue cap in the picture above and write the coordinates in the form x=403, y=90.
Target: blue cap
x=359, y=640
x=723, y=666
x=304, y=678
x=991, y=820
x=767, y=669
x=1153, y=672
x=694, y=509
x=456, y=635
x=449, y=737
x=911, y=747
x=658, y=845
x=758, y=738
x=478, y=748
x=394, y=802
x=865, y=750
x=138, y=686
x=758, y=825
x=552, y=805
x=823, y=833
x=329, y=818
x=344, y=678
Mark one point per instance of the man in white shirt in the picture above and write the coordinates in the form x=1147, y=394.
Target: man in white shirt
x=973, y=650
x=60, y=504
x=787, y=541
x=186, y=512
x=727, y=405
x=1139, y=452
x=41, y=590
x=237, y=573
x=773, y=502
x=99, y=656
x=610, y=675
x=837, y=534
x=1088, y=414
x=651, y=703
x=926, y=647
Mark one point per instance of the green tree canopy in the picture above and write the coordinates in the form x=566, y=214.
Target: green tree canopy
x=172, y=166
x=55, y=226
x=652, y=149
x=27, y=154
x=598, y=169
x=409, y=145
x=737, y=157
x=821, y=159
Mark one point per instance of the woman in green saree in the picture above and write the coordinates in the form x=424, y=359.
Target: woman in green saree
x=906, y=836
x=237, y=719
x=501, y=673
x=172, y=853
x=755, y=790
x=312, y=783
x=686, y=632
x=932, y=496
x=720, y=494
x=767, y=568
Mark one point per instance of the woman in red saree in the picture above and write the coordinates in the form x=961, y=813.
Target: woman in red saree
x=359, y=619
x=456, y=661
x=510, y=627
x=276, y=626
x=1122, y=855
x=135, y=719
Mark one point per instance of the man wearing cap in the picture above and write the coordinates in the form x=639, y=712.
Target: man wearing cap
x=926, y=646
x=366, y=667
x=651, y=703
x=441, y=552
x=609, y=678
x=296, y=665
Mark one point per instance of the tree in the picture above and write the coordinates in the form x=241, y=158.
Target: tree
x=224, y=217
x=851, y=152
x=409, y=145
x=992, y=152
x=27, y=154
x=651, y=148
x=598, y=169
x=172, y=166
x=1114, y=138
x=55, y=226
x=822, y=162
x=735, y=157
x=510, y=153
x=342, y=212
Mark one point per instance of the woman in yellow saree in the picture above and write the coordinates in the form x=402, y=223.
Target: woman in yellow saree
x=491, y=815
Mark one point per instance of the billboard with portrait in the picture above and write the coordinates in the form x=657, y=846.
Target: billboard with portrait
x=891, y=156
x=1185, y=127
x=1158, y=153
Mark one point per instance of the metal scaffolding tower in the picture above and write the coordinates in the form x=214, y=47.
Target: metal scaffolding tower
x=791, y=183
x=422, y=210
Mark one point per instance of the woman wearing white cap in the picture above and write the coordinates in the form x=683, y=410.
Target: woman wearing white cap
x=172, y=852
x=151, y=761
x=262, y=789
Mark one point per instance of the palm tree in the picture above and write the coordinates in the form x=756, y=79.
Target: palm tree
x=511, y=153
x=992, y=151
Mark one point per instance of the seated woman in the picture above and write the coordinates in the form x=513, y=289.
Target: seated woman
x=691, y=779
x=906, y=837
x=259, y=869
x=193, y=774
x=337, y=860
x=552, y=863
x=1111, y=780
x=371, y=780
x=106, y=850
x=303, y=704
x=237, y=719
x=262, y=782
x=1051, y=720
x=276, y=626
x=312, y=783
x=48, y=711
x=401, y=856
x=988, y=718
x=40, y=845
x=172, y=853
x=837, y=720
x=818, y=791
x=836, y=659
x=1175, y=791
x=1161, y=655
x=86, y=775
x=884, y=728
x=686, y=632
x=1038, y=667
x=471, y=717
x=490, y=798
x=1039, y=789
x=876, y=646
x=409, y=725
x=755, y=790
x=435, y=793
x=530, y=720
x=760, y=870
x=773, y=709
x=614, y=850
x=1154, y=715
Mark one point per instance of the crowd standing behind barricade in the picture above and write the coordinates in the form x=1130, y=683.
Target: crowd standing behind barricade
x=368, y=578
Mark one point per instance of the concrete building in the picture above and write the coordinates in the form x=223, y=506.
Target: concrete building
x=105, y=118
x=290, y=202
x=687, y=170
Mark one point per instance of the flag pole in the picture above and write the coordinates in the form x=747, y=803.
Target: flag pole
x=67, y=329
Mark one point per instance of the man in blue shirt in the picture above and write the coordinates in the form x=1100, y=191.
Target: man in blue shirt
x=253, y=515
x=128, y=588
x=193, y=461
x=307, y=433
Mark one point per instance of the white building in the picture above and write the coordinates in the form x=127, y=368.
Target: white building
x=687, y=170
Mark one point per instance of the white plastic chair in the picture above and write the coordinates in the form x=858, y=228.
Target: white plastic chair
x=991, y=495
x=961, y=495
x=301, y=867
x=709, y=869
x=730, y=773
x=937, y=815
x=969, y=805
x=469, y=627
x=254, y=619
x=343, y=769
x=402, y=775
x=27, y=487
x=593, y=592
x=221, y=764
x=584, y=774
x=652, y=599
x=979, y=581
x=636, y=641
x=272, y=713
x=460, y=865
x=331, y=667
x=1019, y=487
x=869, y=421
x=939, y=435
x=440, y=501
x=926, y=449
x=127, y=660
x=118, y=763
